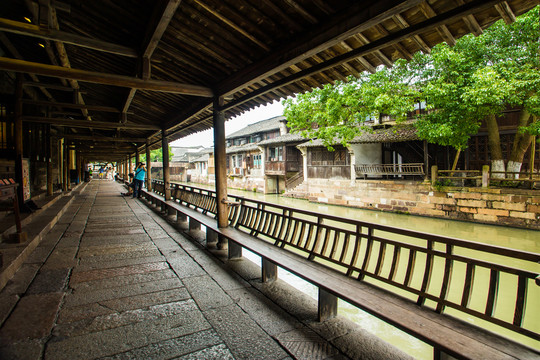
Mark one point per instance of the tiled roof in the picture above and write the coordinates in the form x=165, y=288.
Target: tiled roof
x=283, y=139
x=242, y=148
x=394, y=134
x=258, y=127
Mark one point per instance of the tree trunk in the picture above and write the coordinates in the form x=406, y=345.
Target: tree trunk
x=494, y=141
x=522, y=141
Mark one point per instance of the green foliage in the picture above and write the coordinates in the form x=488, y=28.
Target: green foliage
x=462, y=85
x=157, y=155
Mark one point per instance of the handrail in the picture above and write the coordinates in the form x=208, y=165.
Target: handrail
x=390, y=169
x=396, y=259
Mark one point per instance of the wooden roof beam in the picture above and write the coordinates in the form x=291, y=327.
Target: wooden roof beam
x=402, y=23
x=64, y=37
x=471, y=22
x=353, y=20
x=404, y=52
x=72, y=106
x=101, y=138
x=15, y=53
x=88, y=124
x=49, y=86
x=231, y=24
x=104, y=78
x=506, y=12
x=443, y=30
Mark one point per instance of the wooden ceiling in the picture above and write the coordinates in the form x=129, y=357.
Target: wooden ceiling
x=122, y=71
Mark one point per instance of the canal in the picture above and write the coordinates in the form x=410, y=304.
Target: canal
x=521, y=239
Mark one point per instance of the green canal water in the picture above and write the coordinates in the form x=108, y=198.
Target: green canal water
x=521, y=239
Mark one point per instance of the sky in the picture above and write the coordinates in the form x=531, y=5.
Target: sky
x=206, y=138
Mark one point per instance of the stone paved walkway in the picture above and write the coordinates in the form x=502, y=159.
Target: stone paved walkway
x=114, y=279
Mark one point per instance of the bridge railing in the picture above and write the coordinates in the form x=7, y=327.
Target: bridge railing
x=470, y=280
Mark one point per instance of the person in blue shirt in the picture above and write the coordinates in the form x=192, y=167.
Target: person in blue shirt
x=138, y=180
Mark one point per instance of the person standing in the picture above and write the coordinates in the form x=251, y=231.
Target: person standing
x=138, y=180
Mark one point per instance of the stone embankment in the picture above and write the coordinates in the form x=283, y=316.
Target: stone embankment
x=512, y=207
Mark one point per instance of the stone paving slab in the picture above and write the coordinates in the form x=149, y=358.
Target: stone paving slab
x=198, y=345
x=120, y=281
x=104, y=273
x=116, y=280
x=238, y=329
x=82, y=298
x=40, y=310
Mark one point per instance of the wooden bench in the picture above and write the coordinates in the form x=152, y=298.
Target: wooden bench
x=448, y=335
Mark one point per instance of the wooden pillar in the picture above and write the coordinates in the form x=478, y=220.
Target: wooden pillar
x=19, y=140
x=78, y=166
x=148, y=167
x=137, y=157
x=165, y=162
x=426, y=161
x=65, y=167
x=220, y=168
x=49, y=163
x=434, y=174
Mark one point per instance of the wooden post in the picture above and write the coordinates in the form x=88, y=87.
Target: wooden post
x=328, y=305
x=78, y=166
x=485, y=176
x=235, y=250
x=19, y=140
x=220, y=167
x=269, y=270
x=426, y=161
x=166, y=170
x=434, y=172
x=211, y=237
x=148, y=167
x=65, y=185
x=137, y=157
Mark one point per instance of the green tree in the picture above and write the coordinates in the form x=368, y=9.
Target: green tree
x=473, y=81
x=157, y=155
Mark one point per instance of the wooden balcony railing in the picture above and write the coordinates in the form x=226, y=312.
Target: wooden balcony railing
x=411, y=169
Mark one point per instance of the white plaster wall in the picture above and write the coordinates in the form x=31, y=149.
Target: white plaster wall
x=367, y=153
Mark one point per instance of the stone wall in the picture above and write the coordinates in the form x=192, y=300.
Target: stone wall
x=512, y=207
x=248, y=183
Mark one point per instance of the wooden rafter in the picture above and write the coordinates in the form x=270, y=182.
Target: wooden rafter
x=102, y=138
x=153, y=40
x=88, y=124
x=354, y=20
x=506, y=12
x=103, y=78
x=72, y=106
x=402, y=23
x=64, y=37
x=443, y=30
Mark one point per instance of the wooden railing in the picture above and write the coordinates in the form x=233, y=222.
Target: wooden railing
x=389, y=169
x=274, y=167
x=485, y=177
x=435, y=272
x=294, y=180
